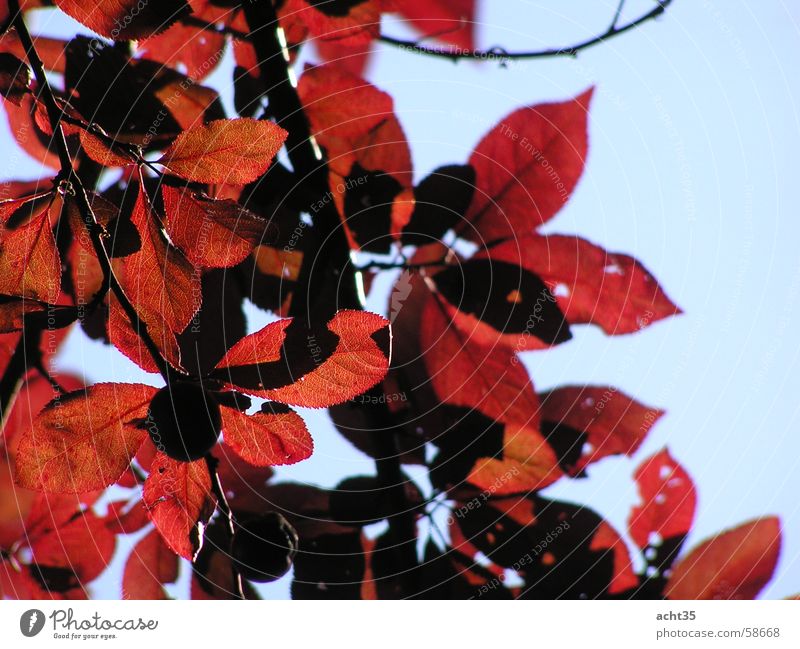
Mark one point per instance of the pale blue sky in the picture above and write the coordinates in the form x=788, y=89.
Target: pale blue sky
x=693, y=128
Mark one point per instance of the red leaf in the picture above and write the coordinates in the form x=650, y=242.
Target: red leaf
x=198, y=50
x=451, y=21
x=735, y=564
x=352, y=59
x=528, y=464
x=359, y=162
x=267, y=438
x=466, y=373
x=83, y=545
x=668, y=500
x=15, y=505
x=50, y=50
x=125, y=19
x=127, y=340
x=359, y=25
x=101, y=151
x=495, y=302
x=526, y=168
x=122, y=519
x=615, y=423
x=33, y=395
x=179, y=499
x=339, y=104
x=233, y=151
x=606, y=538
x=28, y=135
x=83, y=440
x=357, y=363
x=150, y=565
x=30, y=265
x=158, y=279
x=610, y=290
x=212, y=233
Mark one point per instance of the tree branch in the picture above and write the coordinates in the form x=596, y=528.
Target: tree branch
x=499, y=53
x=227, y=512
x=329, y=250
x=75, y=185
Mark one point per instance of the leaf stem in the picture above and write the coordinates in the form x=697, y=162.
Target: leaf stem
x=225, y=509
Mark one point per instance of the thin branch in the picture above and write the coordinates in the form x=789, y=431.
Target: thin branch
x=617, y=14
x=499, y=53
x=225, y=510
x=493, y=53
x=394, y=265
x=69, y=175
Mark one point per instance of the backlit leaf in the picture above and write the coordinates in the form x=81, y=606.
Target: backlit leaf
x=735, y=564
x=234, y=151
x=527, y=167
x=466, y=373
x=158, y=279
x=668, y=500
x=150, y=565
x=276, y=435
x=611, y=290
x=212, y=233
x=615, y=424
x=84, y=440
x=180, y=501
x=347, y=358
x=125, y=19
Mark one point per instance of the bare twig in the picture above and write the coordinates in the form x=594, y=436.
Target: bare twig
x=495, y=53
x=617, y=14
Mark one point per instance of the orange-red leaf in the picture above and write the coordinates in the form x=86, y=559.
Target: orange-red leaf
x=271, y=437
x=83, y=440
x=668, y=500
x=735, y=564
x=611, y=290
x=233, y=151
x=150, y=565
x=212, y=233
x=198, y=50
x=30, y=265
x=83, y=545
x=359, y=361
x=125, y=19
x=126, y=339
x=158, y=279
x=451, y=21
x=359, y=25
x=340, y=104
x=528, y=464
x=526, y=168
x=615, y=424
x=466, y=373
x=607, y=538
x=180, y=501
